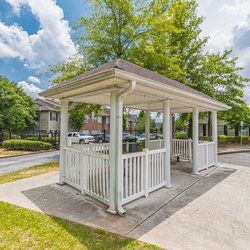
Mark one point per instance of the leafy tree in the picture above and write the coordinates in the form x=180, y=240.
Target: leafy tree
x=140, y=125
x=78, y=111
x=160, y=35
x=17, y=109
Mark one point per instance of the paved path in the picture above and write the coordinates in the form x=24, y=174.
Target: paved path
x=211, y=213
x=241, y=159
x=13, y=164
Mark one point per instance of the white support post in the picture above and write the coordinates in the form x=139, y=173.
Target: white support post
x=118, y=155
x=63, y=139
x=146, y=173
x=167, y=141
x=215, y=136
x=147, y=129
x=112, y=152
x=195, y=140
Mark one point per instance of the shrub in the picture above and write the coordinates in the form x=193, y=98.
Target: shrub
x=222, y=139
x=181, y=135
x=26, y=145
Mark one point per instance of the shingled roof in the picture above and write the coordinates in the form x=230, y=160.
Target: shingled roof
x=137, y=70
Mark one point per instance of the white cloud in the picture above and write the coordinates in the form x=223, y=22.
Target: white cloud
x=29, y=89
x=34, y=79
x=227, y=23
x=50, y=44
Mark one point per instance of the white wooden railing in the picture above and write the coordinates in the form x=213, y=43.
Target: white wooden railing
x=182, y=148
x=96, y=176
x=206, y=154
x=87, y=169
x=143, y=172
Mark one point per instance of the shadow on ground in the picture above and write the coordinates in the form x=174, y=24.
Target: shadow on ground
x=142, y=215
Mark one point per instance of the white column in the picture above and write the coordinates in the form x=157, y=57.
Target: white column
x=112, y=152
x=215, y=136
x=118, y=155
x=167, y=141
x=63, y=139
x=195, y=140
x=147, y=129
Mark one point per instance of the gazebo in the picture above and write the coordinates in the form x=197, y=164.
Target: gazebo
x=102, y=170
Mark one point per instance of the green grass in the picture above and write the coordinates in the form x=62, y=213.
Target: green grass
x=29, y=172
x=4, y=152
x=22, y=228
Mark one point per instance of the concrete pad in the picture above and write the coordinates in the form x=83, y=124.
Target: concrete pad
x=207, y=211
x=12, y=192
x=217, y=219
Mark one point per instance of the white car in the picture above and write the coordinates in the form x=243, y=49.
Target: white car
x=80, y=137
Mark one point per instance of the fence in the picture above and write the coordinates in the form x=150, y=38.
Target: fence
x=143, y=172
x=87, y=169
x=182, y=148
x=206, y=155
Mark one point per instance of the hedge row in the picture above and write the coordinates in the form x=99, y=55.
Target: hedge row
x=26, y=145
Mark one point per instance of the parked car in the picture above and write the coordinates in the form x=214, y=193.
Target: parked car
x=142, y=137
x=100, y=137
x=80, y=137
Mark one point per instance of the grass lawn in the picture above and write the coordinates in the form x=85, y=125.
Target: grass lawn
x=29, y=172
x=4, y=152
x=22, y=228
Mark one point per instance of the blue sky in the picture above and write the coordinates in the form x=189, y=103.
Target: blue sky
x=31, y=37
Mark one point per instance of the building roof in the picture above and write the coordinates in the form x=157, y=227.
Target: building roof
x=115, y=73
x=47, y=104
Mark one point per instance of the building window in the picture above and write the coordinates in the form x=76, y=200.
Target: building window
x=220, y=129
x=94, y=117
x=86, y=132
x=86, y=119
x=200, y=129
x=245, y=131
x=53, y=116
x=107, y=120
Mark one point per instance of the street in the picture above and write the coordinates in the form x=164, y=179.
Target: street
x=240, y=159
x=13, y=164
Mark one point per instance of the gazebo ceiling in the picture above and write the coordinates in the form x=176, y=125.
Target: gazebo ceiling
x=151, y=89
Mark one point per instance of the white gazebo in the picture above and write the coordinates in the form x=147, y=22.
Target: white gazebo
x=102, y=170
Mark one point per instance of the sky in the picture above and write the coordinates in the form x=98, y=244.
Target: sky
x=35, y=34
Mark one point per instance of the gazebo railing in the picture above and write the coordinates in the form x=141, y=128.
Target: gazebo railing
x=206, y=154
x=180, y=147
x=87, y=169
x=143, y=172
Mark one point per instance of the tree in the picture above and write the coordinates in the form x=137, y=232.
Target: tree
x=17, y=109
x=78, y=111
x=140, y=125
x=162, y=36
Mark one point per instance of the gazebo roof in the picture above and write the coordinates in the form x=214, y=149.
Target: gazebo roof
x=94, y=87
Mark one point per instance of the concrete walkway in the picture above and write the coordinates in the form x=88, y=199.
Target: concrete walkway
x=12, y=164
x=210, y=211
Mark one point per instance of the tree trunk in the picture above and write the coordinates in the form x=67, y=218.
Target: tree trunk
x=1, y=135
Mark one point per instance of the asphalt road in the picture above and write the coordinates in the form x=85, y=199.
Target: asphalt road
x=240, y=159
x=13, y=164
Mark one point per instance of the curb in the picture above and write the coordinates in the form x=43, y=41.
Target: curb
x=35, y=153
x=234, y=152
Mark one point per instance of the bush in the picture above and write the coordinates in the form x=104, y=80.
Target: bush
x=222, y=139
x=181, y=135
x=26, y=145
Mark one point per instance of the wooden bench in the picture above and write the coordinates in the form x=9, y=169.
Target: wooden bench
x=177, y=156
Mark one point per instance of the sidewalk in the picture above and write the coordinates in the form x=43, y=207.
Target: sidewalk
x=228, y=149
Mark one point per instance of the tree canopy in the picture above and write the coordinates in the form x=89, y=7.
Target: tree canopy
x=140, y=125
x=17, y=109
x=162, y=36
